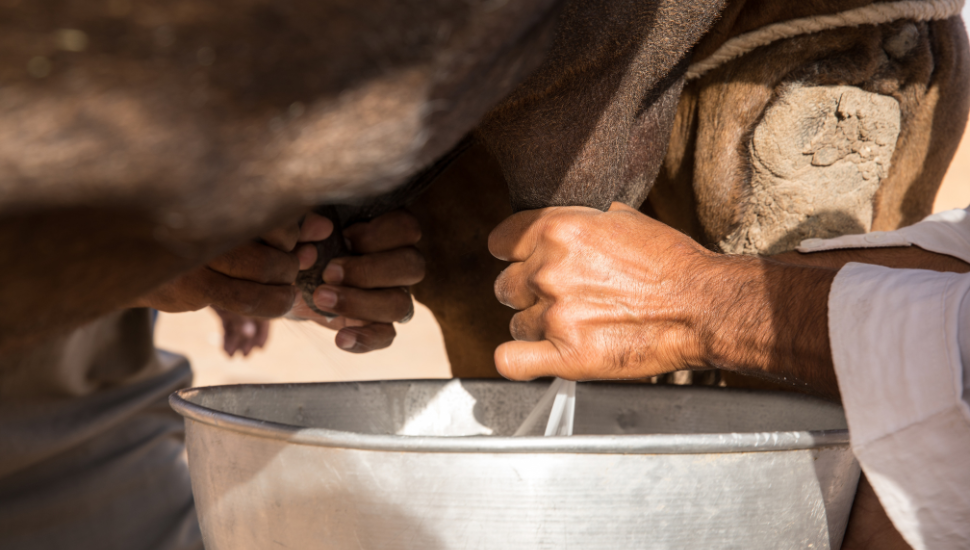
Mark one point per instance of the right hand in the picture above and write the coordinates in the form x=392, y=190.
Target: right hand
x=369, y=291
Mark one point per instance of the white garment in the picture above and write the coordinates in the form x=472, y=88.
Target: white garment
x=901, y=348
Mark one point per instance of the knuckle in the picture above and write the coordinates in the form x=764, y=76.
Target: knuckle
x=563, y=229
x=557, y=317
x=544, y=279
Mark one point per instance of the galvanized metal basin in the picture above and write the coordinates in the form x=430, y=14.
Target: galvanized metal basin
x=429, y=465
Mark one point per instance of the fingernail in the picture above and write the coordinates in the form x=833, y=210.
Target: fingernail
x=324, y=298
x=346, y=340
x=333, y=274
x=307, y=256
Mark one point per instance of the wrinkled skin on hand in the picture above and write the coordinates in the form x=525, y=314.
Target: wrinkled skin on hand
x=614, y=295
x=593, y=306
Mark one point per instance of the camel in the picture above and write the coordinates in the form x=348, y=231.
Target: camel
x=140, y=139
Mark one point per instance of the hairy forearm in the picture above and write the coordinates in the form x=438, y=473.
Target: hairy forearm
x=769, y=319
x=768, y=316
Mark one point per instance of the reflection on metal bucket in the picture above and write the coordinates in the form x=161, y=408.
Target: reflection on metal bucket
x=432, y=465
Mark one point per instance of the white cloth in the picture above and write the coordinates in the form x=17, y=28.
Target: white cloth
x=901, y=344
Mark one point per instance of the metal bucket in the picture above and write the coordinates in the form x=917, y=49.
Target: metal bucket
x=429, y=465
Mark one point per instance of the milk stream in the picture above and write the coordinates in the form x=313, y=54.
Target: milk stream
x=561, y=395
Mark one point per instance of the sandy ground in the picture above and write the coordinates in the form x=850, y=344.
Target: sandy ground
x=305, y=352
x=302, y=352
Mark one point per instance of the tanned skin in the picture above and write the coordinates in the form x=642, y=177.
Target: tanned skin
x=653, y=300
x=618, y=295
x=255, y=281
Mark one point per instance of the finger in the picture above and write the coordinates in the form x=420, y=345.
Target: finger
x=334, y=323
x=399, y=267
x=233, y=338
x=244, y=297
x=512, y=288
x=381, y=305
x=258, y=263
x=315, y=228
x=248, y=331
x=528, y=325
x=306, y=255
x=302, y=312
x=529, y=360
x=231, y=342
x=371, y=337
x=516, y=237
x=262, y=332
x=230, y=338
x=392, y=230
x=283, y=238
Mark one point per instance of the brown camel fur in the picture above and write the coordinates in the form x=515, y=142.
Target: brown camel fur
x=139, y=139
x=179, y=129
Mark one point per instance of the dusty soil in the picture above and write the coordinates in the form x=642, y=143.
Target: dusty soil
x=304, y=352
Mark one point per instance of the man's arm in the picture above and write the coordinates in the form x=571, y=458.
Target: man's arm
x=778, y=326
x=619, y=295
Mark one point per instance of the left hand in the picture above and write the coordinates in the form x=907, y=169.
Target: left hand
x=603, y=295
x=255, y=279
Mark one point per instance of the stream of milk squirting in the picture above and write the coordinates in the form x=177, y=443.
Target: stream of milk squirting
x=562, y=397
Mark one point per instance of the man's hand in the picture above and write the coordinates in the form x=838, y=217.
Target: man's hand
x=240, y=333
x=601, y=294
x=253, y=280
x=369, y=291
x=617, y=295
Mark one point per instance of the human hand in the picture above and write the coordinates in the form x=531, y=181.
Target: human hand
x=369, y=292
x=241, y=333
x=253, y=280
x=603, y=295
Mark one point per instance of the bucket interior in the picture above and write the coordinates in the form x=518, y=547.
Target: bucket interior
x=498, y=407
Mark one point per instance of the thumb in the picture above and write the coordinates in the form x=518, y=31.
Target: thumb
x=529, y=360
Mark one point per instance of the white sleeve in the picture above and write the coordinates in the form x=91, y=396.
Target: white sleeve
x=944, y=233
x=896, y=345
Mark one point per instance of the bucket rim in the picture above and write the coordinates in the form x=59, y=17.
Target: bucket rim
x=701, y=443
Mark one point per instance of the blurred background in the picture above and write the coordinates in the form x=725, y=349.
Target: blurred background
x=305, y=352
